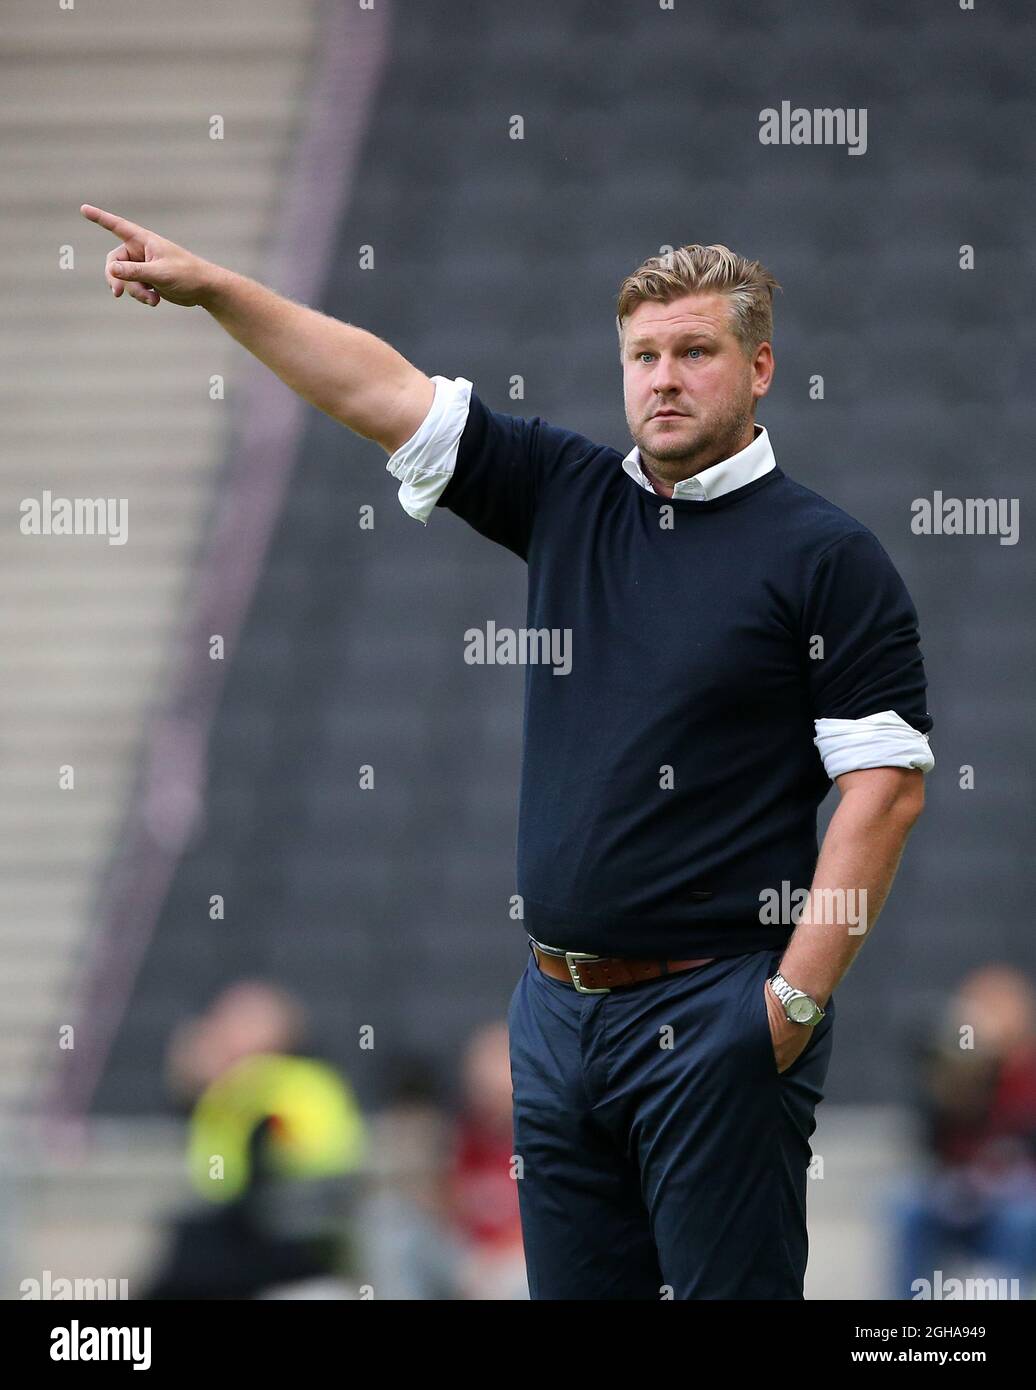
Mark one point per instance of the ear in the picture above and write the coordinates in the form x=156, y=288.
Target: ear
x=763, y=367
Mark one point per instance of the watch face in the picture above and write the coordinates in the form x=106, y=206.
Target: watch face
x=801, y=1009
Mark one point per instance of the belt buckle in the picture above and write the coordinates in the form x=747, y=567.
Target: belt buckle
x=570, y=957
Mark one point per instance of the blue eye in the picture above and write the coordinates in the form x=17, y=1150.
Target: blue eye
x=642, y=355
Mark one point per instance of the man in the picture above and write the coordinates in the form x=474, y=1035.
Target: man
x=737, y=643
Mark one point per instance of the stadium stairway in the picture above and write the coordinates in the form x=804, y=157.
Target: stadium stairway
x=104, y=399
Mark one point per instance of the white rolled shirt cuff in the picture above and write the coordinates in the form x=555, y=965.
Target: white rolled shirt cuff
x=876, y=740
x=425, y=463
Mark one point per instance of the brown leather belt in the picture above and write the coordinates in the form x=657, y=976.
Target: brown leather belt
x=601, y=974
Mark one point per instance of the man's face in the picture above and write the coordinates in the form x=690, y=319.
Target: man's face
x=683, y=357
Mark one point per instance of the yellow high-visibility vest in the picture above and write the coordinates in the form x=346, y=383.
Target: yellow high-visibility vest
x=319, y=1132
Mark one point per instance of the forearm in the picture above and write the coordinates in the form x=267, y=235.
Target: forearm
x=855, y=869
x=344, y=371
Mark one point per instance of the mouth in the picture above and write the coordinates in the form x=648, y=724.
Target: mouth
x=668, y=415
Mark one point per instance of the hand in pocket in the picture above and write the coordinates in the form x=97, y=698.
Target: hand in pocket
x=789, y=1040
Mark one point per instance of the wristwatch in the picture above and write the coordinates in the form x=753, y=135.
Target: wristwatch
x=799, y=1007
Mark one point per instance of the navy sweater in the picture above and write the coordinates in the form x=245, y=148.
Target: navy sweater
x=690, y=651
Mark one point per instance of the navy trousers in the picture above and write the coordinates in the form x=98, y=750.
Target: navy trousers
x=662, y=1154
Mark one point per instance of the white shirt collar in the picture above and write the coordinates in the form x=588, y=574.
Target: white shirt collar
x=743, y=467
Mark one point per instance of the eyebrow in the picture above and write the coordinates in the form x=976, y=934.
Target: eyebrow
x=702, y=333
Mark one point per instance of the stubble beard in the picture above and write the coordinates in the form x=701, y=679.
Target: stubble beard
x=671, y=460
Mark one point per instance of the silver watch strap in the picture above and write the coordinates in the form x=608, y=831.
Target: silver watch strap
x=786, y=992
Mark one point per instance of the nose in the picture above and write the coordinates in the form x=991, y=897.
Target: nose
x=664, y=378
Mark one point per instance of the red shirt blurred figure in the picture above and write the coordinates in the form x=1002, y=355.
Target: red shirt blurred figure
x=982, y=1098
x=481, y=1189
x=484, y=1196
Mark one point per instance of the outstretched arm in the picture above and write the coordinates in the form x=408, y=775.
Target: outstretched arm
x=344, y=371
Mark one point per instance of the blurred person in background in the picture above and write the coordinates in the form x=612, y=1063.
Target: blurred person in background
x=408, y=1252
x=272, y=1137
x=442, y=1220
x=977, y=1197
x=482, y=1192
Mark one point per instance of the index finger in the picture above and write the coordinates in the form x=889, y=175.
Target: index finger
x=118, y=225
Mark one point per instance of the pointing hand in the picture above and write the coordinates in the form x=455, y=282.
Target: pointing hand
x=147, y=266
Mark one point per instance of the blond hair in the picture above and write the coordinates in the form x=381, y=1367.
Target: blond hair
x=690, y=269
